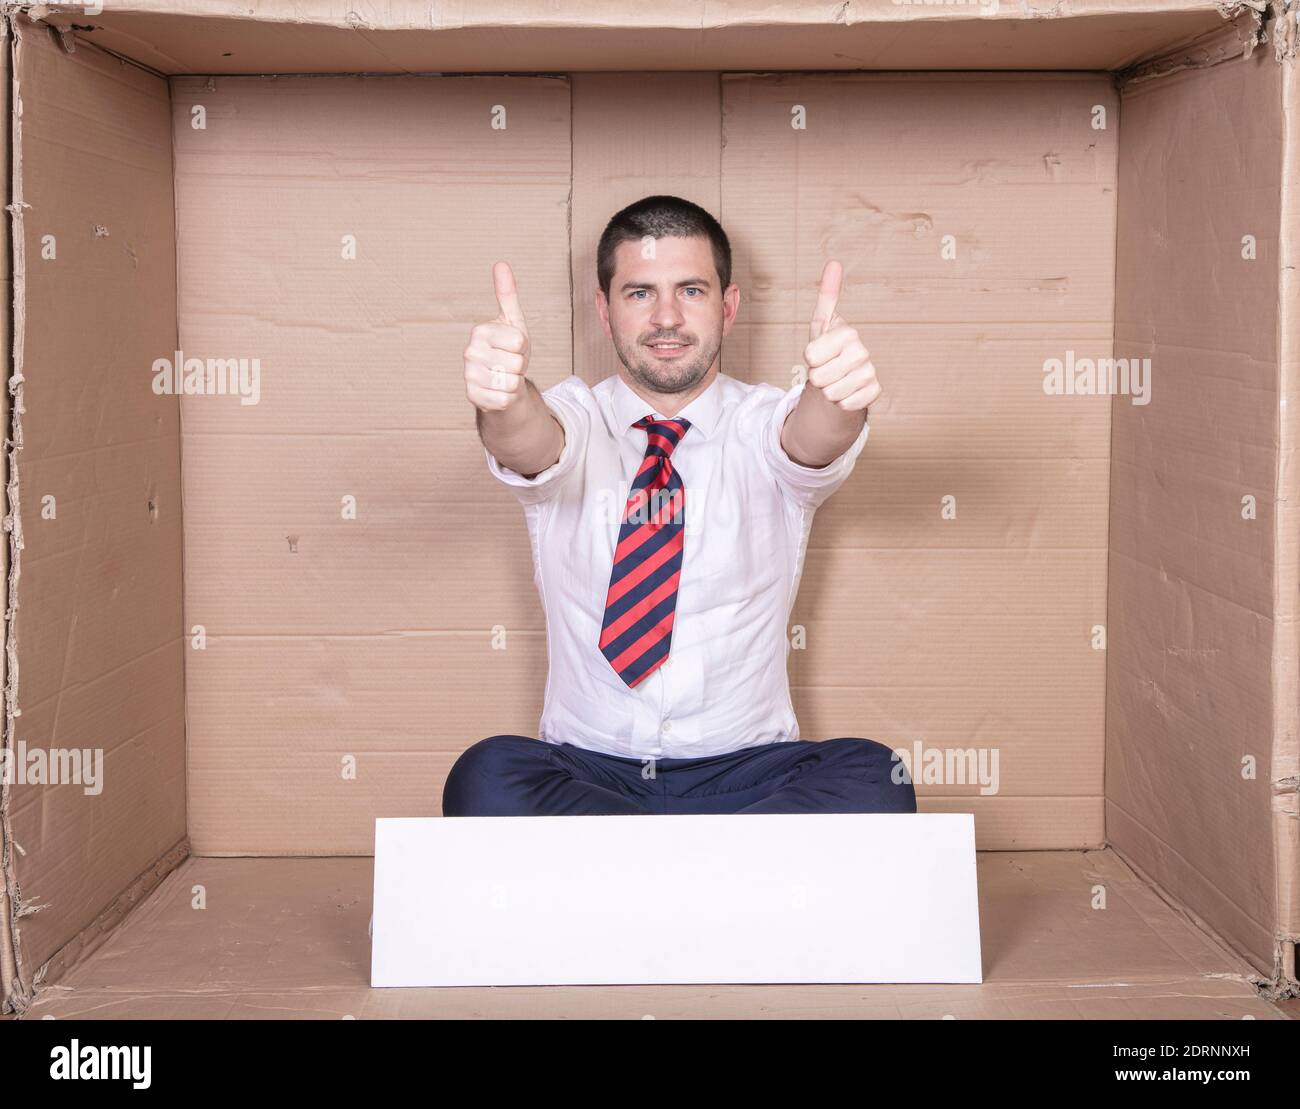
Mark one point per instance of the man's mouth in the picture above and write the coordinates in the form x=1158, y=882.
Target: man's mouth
x=668, y=348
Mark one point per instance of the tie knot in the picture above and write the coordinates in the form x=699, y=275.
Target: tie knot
x=663, y=434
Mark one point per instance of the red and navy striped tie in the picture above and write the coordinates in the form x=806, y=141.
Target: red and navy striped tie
x=638, y=627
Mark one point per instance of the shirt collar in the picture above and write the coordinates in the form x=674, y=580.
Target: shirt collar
x=703, y=412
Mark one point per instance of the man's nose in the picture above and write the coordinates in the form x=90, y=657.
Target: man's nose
x=667, y=313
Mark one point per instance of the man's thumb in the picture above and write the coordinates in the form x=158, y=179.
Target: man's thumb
x=508, y=296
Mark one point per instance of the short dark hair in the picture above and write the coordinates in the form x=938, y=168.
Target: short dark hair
x=658, y=216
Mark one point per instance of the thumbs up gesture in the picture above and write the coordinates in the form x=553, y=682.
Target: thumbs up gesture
x=838, y=362
x=496, y=360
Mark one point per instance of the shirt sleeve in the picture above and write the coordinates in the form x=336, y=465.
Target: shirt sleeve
x=808, y=486
x=576, y=422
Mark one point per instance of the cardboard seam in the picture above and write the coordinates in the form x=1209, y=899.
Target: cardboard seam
x=180, y=457
x=1110, y=455
x=1275, y=988
x=16, y=993
x=1227, y=44
x=104, y=926
x=1265, y=926
x=568, y=216
x=70, y=37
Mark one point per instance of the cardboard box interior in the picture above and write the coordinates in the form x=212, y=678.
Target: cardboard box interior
x=1111, y=613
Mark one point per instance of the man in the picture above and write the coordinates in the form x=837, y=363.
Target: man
x=669, y=509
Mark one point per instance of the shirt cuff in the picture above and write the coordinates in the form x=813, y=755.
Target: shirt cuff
x=809, y=485
x=542, y=484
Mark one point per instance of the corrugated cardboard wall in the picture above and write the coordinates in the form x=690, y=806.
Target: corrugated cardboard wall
x=346, y=661
x=98, y=628
x=1190, y=720
x=675, y=149
x=347, y=555
x=952, y=587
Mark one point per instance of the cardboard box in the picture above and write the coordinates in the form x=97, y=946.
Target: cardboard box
x=272, y=622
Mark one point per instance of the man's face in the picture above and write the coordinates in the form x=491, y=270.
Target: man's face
x=666, y=314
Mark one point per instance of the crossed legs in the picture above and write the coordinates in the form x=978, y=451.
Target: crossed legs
x=510, y=775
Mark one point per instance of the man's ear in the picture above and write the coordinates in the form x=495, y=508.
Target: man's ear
x=602, y=310
x=730, y=307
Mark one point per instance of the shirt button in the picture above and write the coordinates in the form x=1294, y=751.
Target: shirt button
x=667, y=727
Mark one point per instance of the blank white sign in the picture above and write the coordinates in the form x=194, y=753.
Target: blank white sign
x=604, y=900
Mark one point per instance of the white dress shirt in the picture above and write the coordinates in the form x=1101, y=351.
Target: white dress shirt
x=749, y=510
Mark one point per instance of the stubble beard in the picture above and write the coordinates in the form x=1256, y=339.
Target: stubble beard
x=667, y=378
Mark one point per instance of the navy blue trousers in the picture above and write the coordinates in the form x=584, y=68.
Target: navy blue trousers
x=513, y=775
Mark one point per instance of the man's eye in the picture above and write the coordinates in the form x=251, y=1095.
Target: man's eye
x=696, y=288
x=638, y=292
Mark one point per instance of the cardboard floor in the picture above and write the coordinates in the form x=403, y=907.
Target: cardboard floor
x=288, y=938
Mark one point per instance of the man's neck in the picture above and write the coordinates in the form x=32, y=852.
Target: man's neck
x=669, y=404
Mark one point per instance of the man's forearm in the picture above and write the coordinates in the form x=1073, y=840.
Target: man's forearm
x=526, y=437
x=817, y=431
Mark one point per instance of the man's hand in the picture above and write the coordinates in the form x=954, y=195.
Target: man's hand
x=496, y=360
x=838, y=363
x=516, y=425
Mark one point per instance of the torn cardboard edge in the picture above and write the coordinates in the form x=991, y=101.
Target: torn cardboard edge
x=1286, y=582
x=14, y=991
x=1285, y=33
x=1245, y=30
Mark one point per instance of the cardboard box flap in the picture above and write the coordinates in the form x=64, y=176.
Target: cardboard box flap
x=406, y=36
